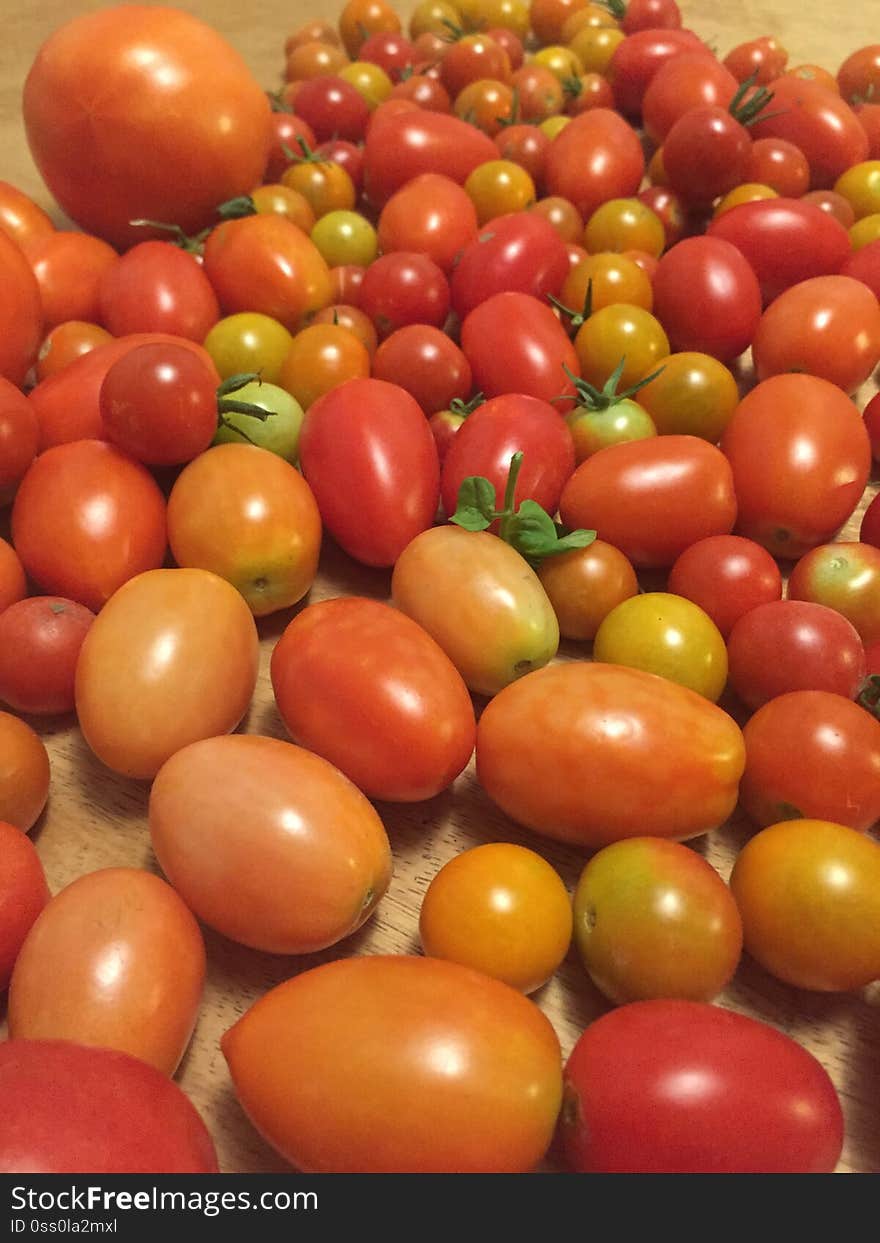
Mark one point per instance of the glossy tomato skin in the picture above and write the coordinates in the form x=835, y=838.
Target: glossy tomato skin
x=70, y=1109
x=24, y=773
x=62, y=988
x=401, y=145
x=707, y=298
x=515, y=344
x=532, y=737
x=389, y=1103
x=491, y=436
x=105, y=87
x=427, y=363
x=13, y=581
x=19, y=437
x=20, y=217
x=21, y=314
x=596, y=157
x=65, y=343
x=726, y=576
x=220, y=816
x=404, y=287
x=869, y=532
x=519, y=251
x=652, y=498
x=639, y=57
x=367, y=688
x=86, y=519
x=687, y=81
x=844, y=576
x=584, y=585
x=819, y=122
x=369, y=456
x=684, y=1087
x=69, y=267
x=143, y=668
x=789, y=499
x=157, y=287
x=23, y=894
x=483, y=604
x=430, y=215
x=40, y=640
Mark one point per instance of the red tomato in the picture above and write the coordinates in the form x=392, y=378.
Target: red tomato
x=764, y=57
x=157, y=287
x=107, y=87
x=13, y=582
x=868, y=115
x=813, y=754
x=689, y=80
x=817, y=121
x=427, y=363
x=145, y=663
x=400, y=145
x=845, y=576
x=40, y=640
x=21, y=312
x=493, y=434
x=652, y=498
x=20, y=217
x=650, y=15
x=800, y=457
x=707, y=298
x=525, y=145
x=86, y=519
x=864, y=265
x=332, y=108
x=24, y=773
x=341, y=658
x=639, y=57
x=65, y=343
x=705, y=155
x=114, y=960
x=669, y=1087
x=431, y=215
x=473, y=58
x=370, y=458
x=426, y=91
x=19, y=438
x=286, y=129
x=515, y=344
x=872, y=426
x=520, y=251
x=662, y=756
x=445, y=1069
x=596, y=157
x=726, y=576
x=69, y=268
x=785, y=241
x=404, y=288
x=780, y=165
x=793, y=645
x=23, y=894
x=69, y=1109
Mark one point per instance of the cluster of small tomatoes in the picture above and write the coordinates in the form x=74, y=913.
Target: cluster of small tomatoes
x=440, y=313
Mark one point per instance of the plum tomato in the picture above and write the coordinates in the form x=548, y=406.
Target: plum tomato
x=596, y=157
x=707, y=297
x=726, y=575
x=157, y=287
x=70, y=268
x=518, y=251
x=40, y=639
x=515, y=344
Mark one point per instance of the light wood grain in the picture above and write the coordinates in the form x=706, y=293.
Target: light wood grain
x=96, y=819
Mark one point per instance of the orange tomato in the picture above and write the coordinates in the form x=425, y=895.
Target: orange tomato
x=19, y=438
x=398, y=1064
x=115, y=960
x=248, y=515
x=20, y=216
x=13, y=584
x=21, y=313
x=69, y=268
x=584, y=585
x=24, y=773
x=609, y=279
x=267, y=843
x=172, y=658
x=23, y=894
x=361, y=18
x=321, y=357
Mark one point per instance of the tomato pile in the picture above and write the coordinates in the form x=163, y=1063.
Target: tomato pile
x=553, y=329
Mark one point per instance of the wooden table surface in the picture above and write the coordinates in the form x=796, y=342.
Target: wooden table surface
x=95, y=819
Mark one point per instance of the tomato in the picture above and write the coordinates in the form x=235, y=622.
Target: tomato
x=430, y=215
x=369, y=456
x=19, y=438
x=813, y=754
x=40, y=640
x=672, y=212
x=404, y=288
x=688, y=81
x=765, y=58
x=70, y=1109
x=620, y=334
x=793, y=645
x=845, y=577
x=69, y=268
x=321, y=357
x=595, y=429
x=284, y=201
x=808, y=892
x=609, y=279
x=784, y=241
x=432, y=15
x=498, y=187
x=868, y=115
x=390, y=50
x=705, y=155
x=106, y=87
x=800, y=458
x=487, y=1103
x=638, y=58
x=564, y=216
x=547, y=17
x=480, y=601
x=347, y=155
x=518, y=252
x=86, y=519
x=515, y=344
x=707, y=297
x=401, y=146
x=279, y=433
x=860, y=186
x=726, y=576
x=325, y=185
x=828, y=326
x=500, y=909
x=23, y=894
x=654, y=919
x=595, y=158
x=833, y=205
x=624, y=224
x=779, y=164
x=864, y=265
x=667, y=635
x=426, y=91
x=869, y=532
x=157, y=287
x=65, y=343
x=20, y=217
x=313, y=59
x=21, y=312
x=650, y=15
x=24, y=773
x=345, y=237
x=669, y=1087
x=819, y=122
x=424, y=361
x=491, y=436
x=865, y=231
x=584, y=585
x=661, y=756
x=694, y=395
x=146, y=660
x=590, y=51
x=485, y=103
x=286, y=130
x=540, y=94
x=652, y=498
x=265, y=263
x=114, y=960
x=470, y=58
x=588, y=91
x=248, y=342
x=343, y=657
x=13, y=581
x=316, y=30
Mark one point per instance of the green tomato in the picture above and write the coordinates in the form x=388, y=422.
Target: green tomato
x=248, y=341
x=279, y=433
x=593, y=430
x=344, y=237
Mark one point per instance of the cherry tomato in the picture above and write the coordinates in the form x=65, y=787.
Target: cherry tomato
x=859, y=75
x=500, y=909
x=620, y=333
x=650, y=15
x=800, y=457
x=609, y=279
x=694, y=395
x=705, y=155
x=325, y=185
x=661, y=756
x=833, y=205
x=145, y=662
x=345, y=237
x=813, y=754
x=617, y=423
x=286, y=130
x=654, y=919
x=23, y=894
x=515, y=344
x=747, y=192
x=864, y=265
x=584, y=585
x=564, y=216
x=13, y=582
x=40, y=640
x=793, y=645
x=69, y=268
x=845, y=577
x=672, y=212
x=486, y=103
x=779, y=164
x=220, y=814
x=819, y=122
x=588, y=91
x=427, y=92
x=868, y=115
x=809, y=892
x=676, y=1086
x=430, y=215
x=246, y=342
x=19, y=438
x=402, y=288
x=547, y=17
x=595, y=158
x=114, y=960
x=401, y=146
x=432, y=15
x=652, y=498
x=687, y=81
x=347, y=155
x=20, y=217
x=519, y=252
x=321, y=357
x=106, y=87
x=707, y=297
x=424, y=361
x=764, y=58
x=639, y=57
x=726, y=576
x=65, y=343
x=157, y=287
x=498, y=187
x=869, y=532
x=24, y=773
x=313, y=59
x=865, y=231
x=21, y=312
x=352, y=318
x=540, y=94
x=471, y=58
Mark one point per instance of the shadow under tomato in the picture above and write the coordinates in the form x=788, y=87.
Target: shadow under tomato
x=113, y=797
